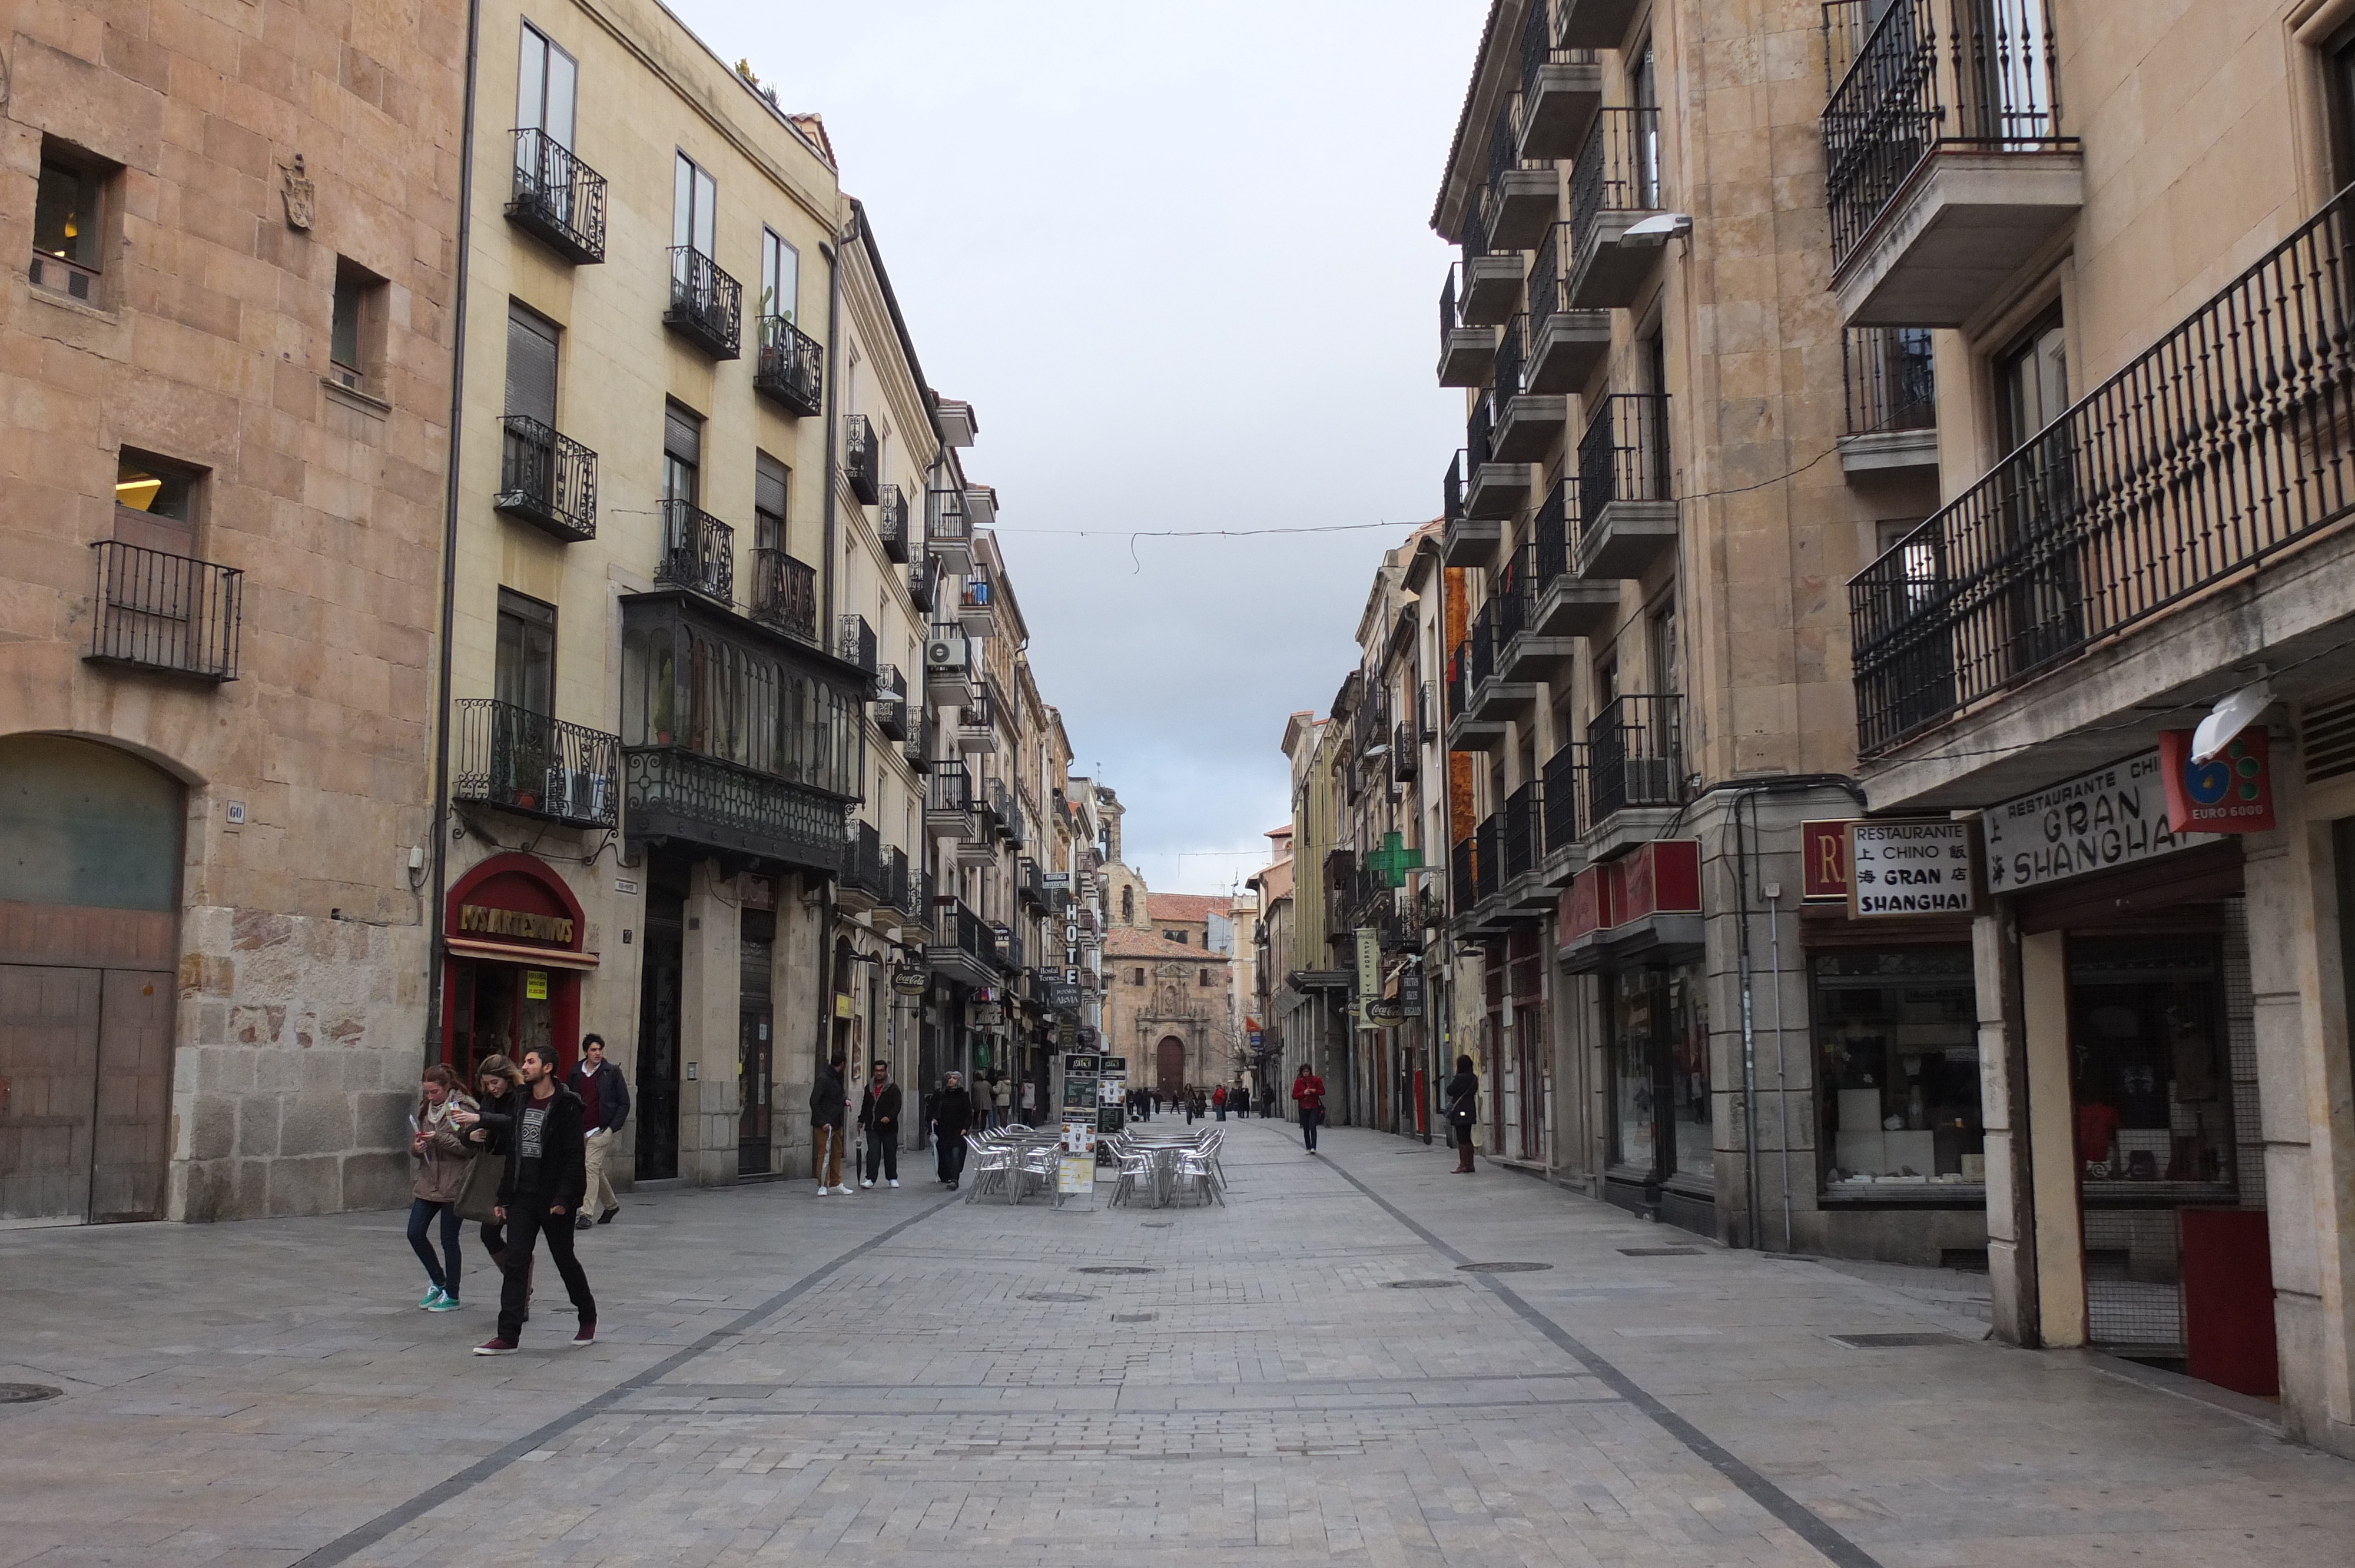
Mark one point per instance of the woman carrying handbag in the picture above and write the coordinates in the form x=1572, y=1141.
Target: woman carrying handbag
x=1463, y=1112
x=438, y=1146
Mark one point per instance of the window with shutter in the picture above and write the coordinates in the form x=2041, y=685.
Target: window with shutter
x=531, y=365
x=768, y=484
x=682, y=454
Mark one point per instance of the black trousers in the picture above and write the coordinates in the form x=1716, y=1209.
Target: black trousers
x=951, y=1146
x=526, y=1225
x=883, y=1150
x=1308, y=1122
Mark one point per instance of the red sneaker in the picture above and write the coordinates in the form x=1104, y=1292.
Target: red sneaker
x=499, y=1347
x=588, y=1331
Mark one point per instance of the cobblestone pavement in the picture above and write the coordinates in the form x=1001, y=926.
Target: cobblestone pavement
x=1307, y=1374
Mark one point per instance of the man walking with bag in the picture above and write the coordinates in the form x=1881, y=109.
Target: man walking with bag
x=605, y=1106
x=541, y=1191
x=828, y=1105
x=879, y=1123
x=952, y=1117
x=1308, y=1093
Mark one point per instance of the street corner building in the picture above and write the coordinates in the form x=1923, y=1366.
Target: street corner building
x=227, y=348
x=1785, y=764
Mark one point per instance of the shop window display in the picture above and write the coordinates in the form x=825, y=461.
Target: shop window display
x=1897, y=1037
x=2153, y=1085
x=1659, y=1073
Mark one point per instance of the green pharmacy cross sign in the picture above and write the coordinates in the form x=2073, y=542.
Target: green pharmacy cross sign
x=1393, y=861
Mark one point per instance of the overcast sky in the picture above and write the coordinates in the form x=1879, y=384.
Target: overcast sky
x=1176, y=254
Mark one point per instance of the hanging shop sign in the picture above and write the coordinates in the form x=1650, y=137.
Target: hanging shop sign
x=1063, y=996
x=1384, y=1012
x=1823, y=861
x=1410, y=995
x=2231, y=792
x=989, y=1015
x=759, y=892
x=912, y=980
x=2112, y=817
x=1369, y=968
x=1911, y=868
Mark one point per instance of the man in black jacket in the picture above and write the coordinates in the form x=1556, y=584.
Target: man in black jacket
x=605, y=1106
x=878, y=1121
x=539, y=1194
x=828, y=1102
x=952, y=1117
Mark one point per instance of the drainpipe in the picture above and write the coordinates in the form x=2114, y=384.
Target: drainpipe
x=1749, y=1035
x=433, y=961
x=853, y=1071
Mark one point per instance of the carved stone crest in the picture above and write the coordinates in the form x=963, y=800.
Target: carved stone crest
x=301, y=196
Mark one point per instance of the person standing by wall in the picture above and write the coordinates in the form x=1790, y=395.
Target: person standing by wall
x=437, y=1143
x=546, y=1176
x=1463, y=1112
x=879, y=1122
x=829, y=1103
x=951, y=1118
x=605, y=1106
x=1308, y=1093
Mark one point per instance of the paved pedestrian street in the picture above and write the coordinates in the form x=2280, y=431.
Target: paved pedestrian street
x=1318, y=1371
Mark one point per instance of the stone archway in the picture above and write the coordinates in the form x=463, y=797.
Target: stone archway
x=1169, y=1065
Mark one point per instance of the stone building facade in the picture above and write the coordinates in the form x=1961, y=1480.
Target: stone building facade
x=227, y=348
x=1169, y=1002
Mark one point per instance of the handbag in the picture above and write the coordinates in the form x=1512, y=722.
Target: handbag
x=478, y=1190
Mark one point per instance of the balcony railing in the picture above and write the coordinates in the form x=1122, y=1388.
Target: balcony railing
x=1565, y=797
x=674, y=793
x=1513, y=596
x=784, y=594
x=862, y=459
x=1635, y=750
x=918, y=747
x=1888, y=376
x=1623, y=455
x=2228, y=439
x=1484, y=646
x=1553, y=535
x=900, y=886
x=945, y=521
x=791, y=367
x=1427, y=722
x=699, y=552
x=1523, y=830
x=1480, y=433
x=1488, y=856
x=1989, y=86
x=891, y=521
x=558, y=198
x=1547, y=291
x=924, y=583
x=1618, y=170
x=1512, y=353
x=1405, y=757
x=951, y=792
x=854, y=642
x=892, y=715
x=1451, y=490
x=862, y=862
x=706, y=305
x=1459, y=680
x=514, y=758
x=158, y=611
x=958, y=927
x=1464, y=881
x=546, y=480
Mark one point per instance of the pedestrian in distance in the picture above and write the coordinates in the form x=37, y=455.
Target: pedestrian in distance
x=1186, y=1094
x=1463, y=1113
x=1240, y=1100
x=951, y=1119
x=1001, y=1101
x=829, y=1103
x=1218, y=1102
x=605, y=1106
x=879, y=1123
x=438, y=1145
x=489, y=1125
x=1308, y=1093
x=546, y=1176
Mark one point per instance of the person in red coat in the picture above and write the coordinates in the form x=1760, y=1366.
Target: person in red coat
x=1308, y=1093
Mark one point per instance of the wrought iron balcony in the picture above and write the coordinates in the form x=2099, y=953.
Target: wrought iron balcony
x=1561, y=89
x=862, y=884
x=1522, y=195
x=1029, y=888
x=950, y=808
x=862, y=459
x=891, y=521
x=1426, y=709
x=157, y=611
x=1528, y=422
x=672, y=793
x=1892, y=411
x=2228, y=440
x=1565, y=798
x=1465, y=349
x=924, y=583
x=791, y=371
x=963, y=945
x=902, y=890
x=1944, y=169
x=892, y=715
x=546, y=480
x=976, y=730
x=1523, y=830
x=854, y=642
x=699, y=552
x=1627, y=493
x=1495, y=488
x=948, y=529
x=784, y=594
x=973, y=604
x=706, y=305
x=1614, y=184
x=557, y=198
x=918, y=748
x=1406, y=760
x=1565, y=346
x=1634, y=750
x=514, y=758
x=1563, y=603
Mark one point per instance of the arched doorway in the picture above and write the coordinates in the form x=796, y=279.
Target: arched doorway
x=90, y=920
x=1169, y=1065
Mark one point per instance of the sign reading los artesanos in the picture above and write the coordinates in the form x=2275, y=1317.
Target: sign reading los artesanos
x=493, y=922
x=1910, y=868
x=2111, y=817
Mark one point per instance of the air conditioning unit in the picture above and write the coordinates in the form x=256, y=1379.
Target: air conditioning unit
x=944, y=653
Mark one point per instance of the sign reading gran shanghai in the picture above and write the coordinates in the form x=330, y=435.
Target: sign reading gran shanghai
x=2111, y=817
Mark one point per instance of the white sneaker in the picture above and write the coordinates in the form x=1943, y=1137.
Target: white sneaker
x=895, y=1182
x=822, y=1189
x=865, y=1181
x=839, y=1191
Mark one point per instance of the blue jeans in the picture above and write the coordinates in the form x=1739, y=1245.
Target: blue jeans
x=420, y=1215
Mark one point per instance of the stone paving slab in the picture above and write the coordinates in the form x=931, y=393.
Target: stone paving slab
x=781, y=1379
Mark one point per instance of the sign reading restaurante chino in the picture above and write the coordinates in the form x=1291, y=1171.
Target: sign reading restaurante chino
x=1910, y=868
x=2111, y=817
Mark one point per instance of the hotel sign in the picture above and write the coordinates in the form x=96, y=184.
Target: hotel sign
x=2112, y=817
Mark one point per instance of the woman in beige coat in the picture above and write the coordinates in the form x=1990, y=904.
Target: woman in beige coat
x=439, y=1147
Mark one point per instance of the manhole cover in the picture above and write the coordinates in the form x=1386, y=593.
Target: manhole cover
x=1500, y=1268
x=1892, y=1341
x=1421, y=1284
x=1661, y=1251
x=1134, y=1317
x=1159, y=1224
x=26, y=1393
x=1114, y=1268
x=1056, y=1295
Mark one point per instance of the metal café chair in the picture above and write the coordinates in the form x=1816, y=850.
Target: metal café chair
x=1199, y=1169
x=1135, y=1163
x=992, y=1167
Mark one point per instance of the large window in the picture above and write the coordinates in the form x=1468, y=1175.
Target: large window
x=357, y=326
x=547, y=86
x=67, y=209
x=1897, y=1041
x=682, y=455
x=781, y=277
x=695, y=201
x=682, y=684
x=525, y=660
x=531, y=363
x=1661, y=1073
x=770, y=490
